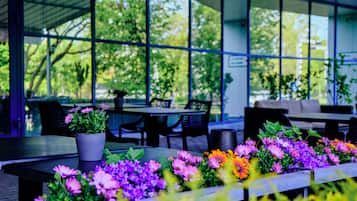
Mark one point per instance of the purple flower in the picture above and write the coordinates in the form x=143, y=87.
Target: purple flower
x=276, y=151
x=277, y=168
x=333, y=158
x=73, y=186
x=75, y=109
x=39, y=198
x=65, y=171
x=68, y=118
x=341, y=147
x=87, y=110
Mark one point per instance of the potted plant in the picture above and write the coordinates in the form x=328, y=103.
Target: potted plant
x=119, y=97
x=89, y=126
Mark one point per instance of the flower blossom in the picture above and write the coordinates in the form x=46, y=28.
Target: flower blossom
x=73, y=186
x=68, y=118
x=277, y=168
x=105, y=184
x=276, y=151
x=217, y=159
x=65, y=171
x=40, y=198
x=87, y=110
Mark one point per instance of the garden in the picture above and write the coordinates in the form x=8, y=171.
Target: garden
x=279, y=153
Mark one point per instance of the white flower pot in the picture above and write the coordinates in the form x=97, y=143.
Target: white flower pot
x=90, y=146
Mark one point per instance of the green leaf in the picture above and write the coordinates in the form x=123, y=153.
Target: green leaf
x=134, y=154
x=113, y=158
x=312, y=133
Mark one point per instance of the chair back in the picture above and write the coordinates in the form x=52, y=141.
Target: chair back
x=339, y=109
x=52, y=118
x=160, y=102
x=255, y=118
x=352, y=133
x=5, y=115
x=195, y=125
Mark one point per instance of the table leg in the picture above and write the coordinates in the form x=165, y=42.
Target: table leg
x=331, y=130
x=151, y=128
x=29, y=190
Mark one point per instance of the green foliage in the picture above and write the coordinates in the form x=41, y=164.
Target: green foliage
x=88, y=122
x=209, y=176
x=273, y=130
x=131, y=154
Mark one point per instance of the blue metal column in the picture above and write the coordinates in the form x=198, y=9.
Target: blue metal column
x=189, y=49
x=248, y=51
x=335, y=100
x=280, y=46
x=222, y=60
x=147, y=12
x=93, y=49
x=16, y=50
x=309, y=53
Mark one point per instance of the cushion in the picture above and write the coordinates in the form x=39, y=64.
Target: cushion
x=310, y=106
x=302, y=124
x=294, y=106
x=271, y=104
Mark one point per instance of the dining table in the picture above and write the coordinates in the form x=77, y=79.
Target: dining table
x=151, y=127
x=331, y=120
x=41, y=148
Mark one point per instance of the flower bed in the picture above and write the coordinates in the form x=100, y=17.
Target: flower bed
x=281, y=152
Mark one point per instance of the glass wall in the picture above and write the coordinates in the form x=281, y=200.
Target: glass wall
x=4, y=83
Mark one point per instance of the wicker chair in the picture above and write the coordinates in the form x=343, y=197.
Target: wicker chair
x=191, y=125
x=52, y=118
x=138, y=126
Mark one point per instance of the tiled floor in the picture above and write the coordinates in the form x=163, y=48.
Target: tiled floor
x=8, y=183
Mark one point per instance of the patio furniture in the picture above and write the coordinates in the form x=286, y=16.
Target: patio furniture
x=138, y=126
x=191, y=125
x=255, y=118
x=52, y=118
x=223, y=139
x=352, y=131
x=331, y=121
x=4, y=115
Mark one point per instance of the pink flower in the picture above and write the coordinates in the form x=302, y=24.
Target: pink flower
x=73, y=186
x=277, y=168
x=75, y=109
x=40, y=198
x=214, y=163
x=104, y=106
x=154, y=166
x=87, y=110
x=341, y=147
x=105, y=184
x=178, y=165
x=188, y=172
x=250, y=143
x=65, y=171
x=333, y=158
x=268, y=141
x=276, y=151
x=327, y=150
x=68, y=118
x=184, y=155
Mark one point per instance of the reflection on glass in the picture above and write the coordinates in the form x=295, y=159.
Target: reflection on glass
x=169, y=22
x=121, y=20
x=322, y=17
x=318, y=81
x=206, y=24
x=206, y=80
x=264, y=79
x=169, y=75
x=294, y=79
x=4, y=86
x=295, y=38
x=264, y=27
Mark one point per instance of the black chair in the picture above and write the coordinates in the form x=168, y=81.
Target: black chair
x=339, y=109
x=4, y=115
x=191, y=125
x=255, y=118
x=52, y=118
x=352, y=132
x=138, y=126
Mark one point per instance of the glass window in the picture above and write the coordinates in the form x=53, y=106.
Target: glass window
x=295, y=28
x=206, y=80
x=318, y=81
x=64, y=18
x=4, y=83
x=206, y=24
x=294, y=79
x=121, y=67
x=264, y=27
x=121, y=20
x=264, y=79
x=169, y=22
x=169, y=75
